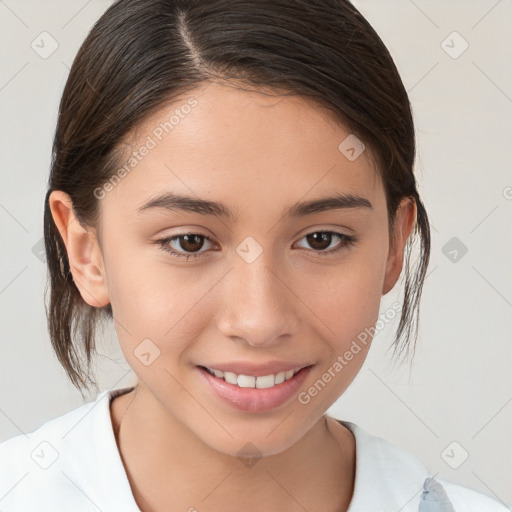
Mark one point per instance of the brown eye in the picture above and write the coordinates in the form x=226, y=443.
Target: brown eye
x=320, y=241
x=191, y=243
x=186, y=245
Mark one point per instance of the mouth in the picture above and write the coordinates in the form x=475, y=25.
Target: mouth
x=251, y=381
x=253, y=393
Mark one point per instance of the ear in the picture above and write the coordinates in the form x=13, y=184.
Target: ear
x=404, y=223
x=84, y=253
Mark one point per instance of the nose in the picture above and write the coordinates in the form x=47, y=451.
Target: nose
x=258, y=306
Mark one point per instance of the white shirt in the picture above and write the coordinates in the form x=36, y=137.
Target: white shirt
x=72, y=463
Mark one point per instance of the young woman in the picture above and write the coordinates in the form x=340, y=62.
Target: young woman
x=232, y=185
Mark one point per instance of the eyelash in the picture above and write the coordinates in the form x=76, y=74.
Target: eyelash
x=163, y=243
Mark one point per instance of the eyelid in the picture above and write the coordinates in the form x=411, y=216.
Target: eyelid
x=346, y=241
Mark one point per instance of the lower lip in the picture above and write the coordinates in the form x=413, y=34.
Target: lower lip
x=255, y=399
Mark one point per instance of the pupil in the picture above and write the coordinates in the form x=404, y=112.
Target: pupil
x=314, y=238
x=188, y=246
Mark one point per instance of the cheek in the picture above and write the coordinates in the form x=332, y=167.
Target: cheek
x=346, y=298
x=345, y=310
x=149, y=298
x=164, y=306
x=161, y=310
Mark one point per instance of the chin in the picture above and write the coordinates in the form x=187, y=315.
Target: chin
x=249, y=448
x=256, y=440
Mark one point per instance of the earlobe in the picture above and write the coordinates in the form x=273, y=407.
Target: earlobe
x=84, y=253
x=404, y=224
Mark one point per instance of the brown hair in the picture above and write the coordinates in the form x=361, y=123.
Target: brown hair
x=142, y=54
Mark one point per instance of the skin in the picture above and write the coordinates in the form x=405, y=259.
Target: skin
x=178, y=441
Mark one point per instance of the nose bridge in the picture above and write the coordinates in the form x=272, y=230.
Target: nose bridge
x=257, y=305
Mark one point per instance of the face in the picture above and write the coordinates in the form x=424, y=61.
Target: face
x=254, y=280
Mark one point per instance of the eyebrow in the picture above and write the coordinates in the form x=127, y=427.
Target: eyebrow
x=175, y=202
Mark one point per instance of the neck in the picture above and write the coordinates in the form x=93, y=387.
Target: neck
x=315, y=473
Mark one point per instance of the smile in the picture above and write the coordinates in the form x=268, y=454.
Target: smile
x=250, y=393
x=249, y=381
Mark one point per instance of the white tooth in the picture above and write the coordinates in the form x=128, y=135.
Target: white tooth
x=230, y=377
x=288, y=374
x=246, y=381
x=267, y=381
x=218, y=373
x=279, y=378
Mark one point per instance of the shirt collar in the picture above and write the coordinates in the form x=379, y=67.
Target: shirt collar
x=386, y=477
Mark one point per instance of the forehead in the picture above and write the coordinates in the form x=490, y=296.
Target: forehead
x=244, y=146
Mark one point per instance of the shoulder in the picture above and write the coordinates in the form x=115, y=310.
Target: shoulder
x=388, y=475
x=57, y=432
x=34, y=465
x=464, y=499
x=69, y=463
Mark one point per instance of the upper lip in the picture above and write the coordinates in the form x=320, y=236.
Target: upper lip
x=247, y=368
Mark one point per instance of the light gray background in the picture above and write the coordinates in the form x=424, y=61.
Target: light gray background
x=459, y=386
